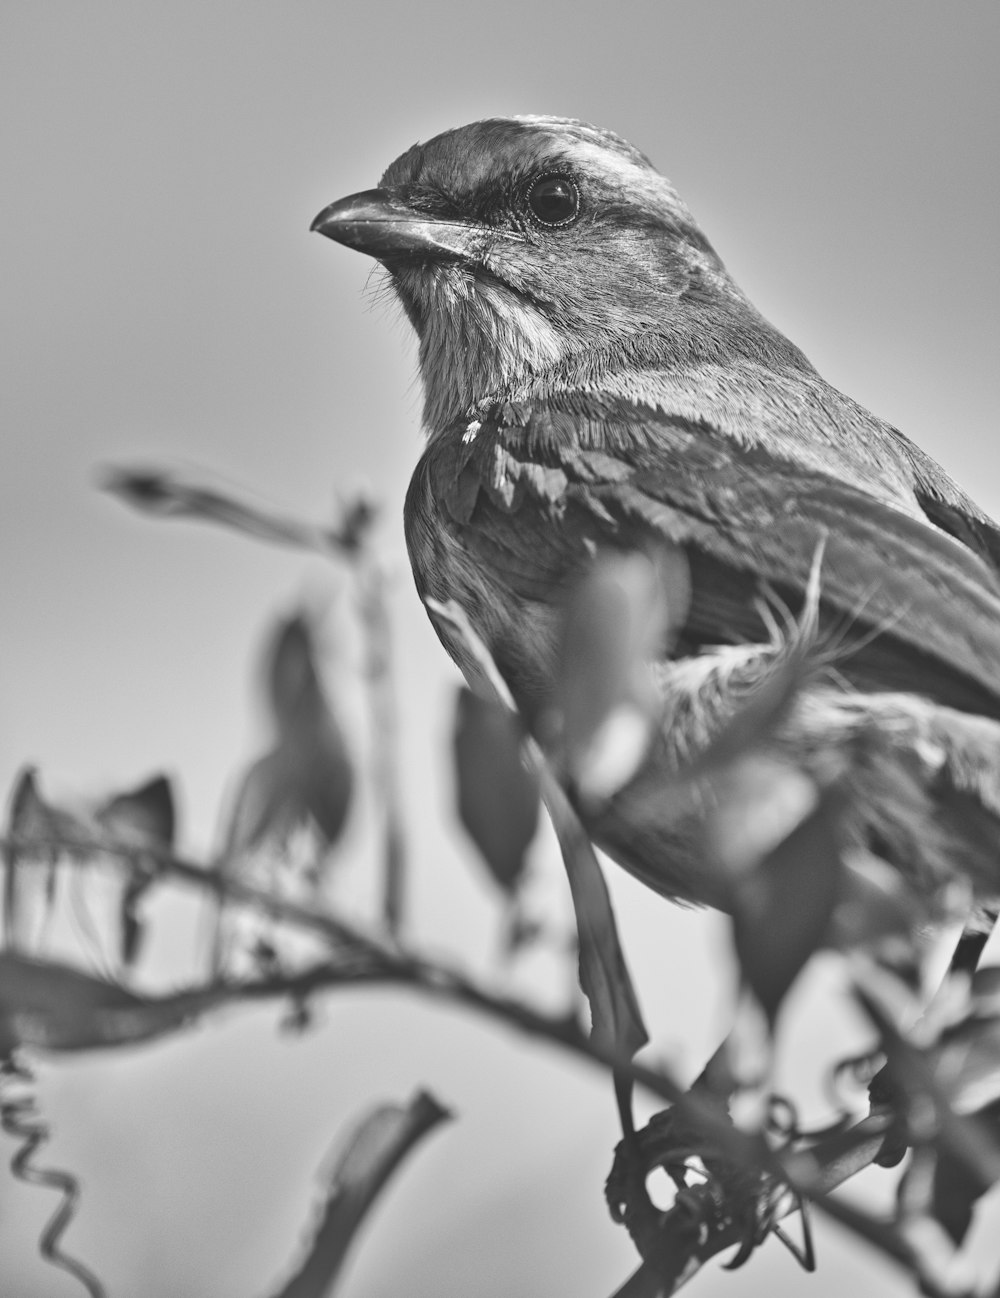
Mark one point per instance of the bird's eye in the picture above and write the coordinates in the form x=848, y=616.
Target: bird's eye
x=554, y=200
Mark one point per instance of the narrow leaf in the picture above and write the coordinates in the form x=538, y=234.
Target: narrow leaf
x=373, y=1152
x=498, y=798
x=616, y=1018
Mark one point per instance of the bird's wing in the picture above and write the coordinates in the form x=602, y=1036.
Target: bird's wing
x=529, y=494
x=946, y=504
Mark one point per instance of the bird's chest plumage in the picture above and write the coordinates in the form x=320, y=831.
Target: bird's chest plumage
x=486, y=526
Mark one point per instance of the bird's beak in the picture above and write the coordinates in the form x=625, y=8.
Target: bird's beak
x=384, y=227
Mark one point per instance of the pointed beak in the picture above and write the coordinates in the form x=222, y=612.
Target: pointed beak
x=384, y=227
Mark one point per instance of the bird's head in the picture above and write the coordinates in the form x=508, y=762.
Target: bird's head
x=517, y=245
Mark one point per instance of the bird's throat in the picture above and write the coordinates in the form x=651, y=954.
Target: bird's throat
x=477, y=338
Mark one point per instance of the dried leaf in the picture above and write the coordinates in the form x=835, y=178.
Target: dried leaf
x=377, y=1146
x=498, y=798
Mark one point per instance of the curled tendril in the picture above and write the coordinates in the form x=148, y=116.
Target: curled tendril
x=20, y=1120
x=783, y=1126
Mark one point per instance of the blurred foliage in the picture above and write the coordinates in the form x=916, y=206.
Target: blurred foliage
x=777, y=836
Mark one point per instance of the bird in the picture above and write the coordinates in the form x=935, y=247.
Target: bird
x=594, y=380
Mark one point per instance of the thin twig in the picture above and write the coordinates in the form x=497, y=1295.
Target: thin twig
x=371, y=580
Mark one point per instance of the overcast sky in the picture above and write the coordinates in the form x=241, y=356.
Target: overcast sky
x=162, y=302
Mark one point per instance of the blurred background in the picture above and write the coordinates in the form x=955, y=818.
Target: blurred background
x=162, y=303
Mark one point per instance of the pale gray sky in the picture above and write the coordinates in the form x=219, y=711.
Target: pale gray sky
x=162, y=301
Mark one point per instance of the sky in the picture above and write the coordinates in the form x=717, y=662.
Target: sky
x=162, y=303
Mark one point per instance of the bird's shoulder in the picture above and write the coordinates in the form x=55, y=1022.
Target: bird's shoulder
x=521, y=498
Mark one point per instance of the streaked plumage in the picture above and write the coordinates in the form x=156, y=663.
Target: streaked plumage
x=601, y=381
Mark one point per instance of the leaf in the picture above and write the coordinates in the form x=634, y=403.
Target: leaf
x=308, y=771
x=39, y=826
x=618, y=620
x=877, y=908
x=36, y=832
x=132, y=930
x=294, y=690
x=498, y=797
x=957, y=1186
x=924, y=1086
x=311, y=754
x=56, y=1007
x=967, y=1056
x=604, y=977
x=373, y=1152
x=783, y=903
x=144, y=816
x=140, y=817
x=326, y=780
x=616, y=1018
x=265, y=806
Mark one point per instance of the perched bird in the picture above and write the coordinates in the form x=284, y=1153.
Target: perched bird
x=594, y=379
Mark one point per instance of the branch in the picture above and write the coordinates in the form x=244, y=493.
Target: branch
x=361, y=958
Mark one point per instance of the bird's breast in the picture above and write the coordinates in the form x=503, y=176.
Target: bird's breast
x=464, y=552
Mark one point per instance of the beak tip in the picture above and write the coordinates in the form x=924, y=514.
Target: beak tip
x=316, y=225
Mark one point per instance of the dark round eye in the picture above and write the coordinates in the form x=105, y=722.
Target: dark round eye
x=554, y=200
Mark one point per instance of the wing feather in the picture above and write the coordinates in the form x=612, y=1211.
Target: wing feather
x=528, y=502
